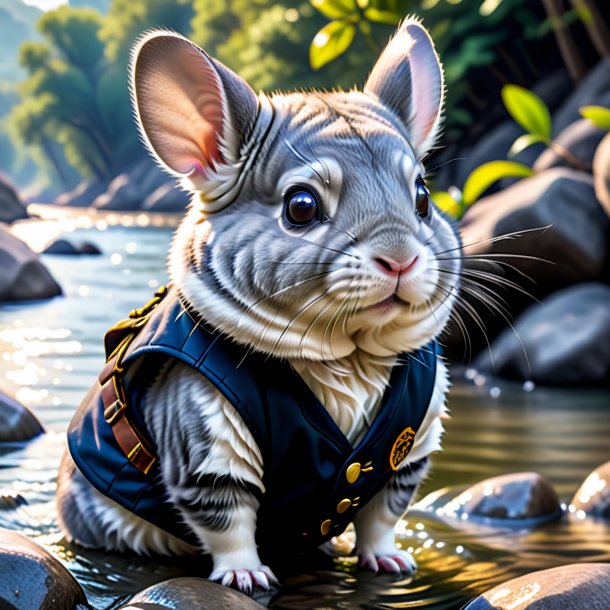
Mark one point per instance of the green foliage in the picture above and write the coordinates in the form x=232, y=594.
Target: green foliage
x=127, y=19
x=332, y=40
x=524, y=141
x=528, y=110
x=488, y=173
x=598, y=115
x=347, y=16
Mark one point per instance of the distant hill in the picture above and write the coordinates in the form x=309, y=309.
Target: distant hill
x=17, y=24
x=101, y=5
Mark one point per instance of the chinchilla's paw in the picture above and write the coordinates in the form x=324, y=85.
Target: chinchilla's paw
x=245, y=580
x=394, y=562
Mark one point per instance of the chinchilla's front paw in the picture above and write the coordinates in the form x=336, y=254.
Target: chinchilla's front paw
x=245, y=580
x=393, y=561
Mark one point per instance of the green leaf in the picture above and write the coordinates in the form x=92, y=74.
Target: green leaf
x=332, y=40
x=374, y=14
x=598, y=115
x=447, y=203
x=335, y=9
x=488, y=173
x=528, y=110
x=523, y=142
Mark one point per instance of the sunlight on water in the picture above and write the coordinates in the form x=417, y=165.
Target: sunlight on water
x=52, y=352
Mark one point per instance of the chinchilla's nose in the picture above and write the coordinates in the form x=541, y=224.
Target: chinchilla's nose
x=393, y=267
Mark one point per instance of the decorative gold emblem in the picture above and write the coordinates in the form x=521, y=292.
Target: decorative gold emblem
x=402, y=447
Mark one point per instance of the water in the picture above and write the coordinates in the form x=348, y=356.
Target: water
x=52, y=352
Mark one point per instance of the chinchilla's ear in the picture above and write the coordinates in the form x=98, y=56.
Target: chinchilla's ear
x=408, y=78
x=192, y=111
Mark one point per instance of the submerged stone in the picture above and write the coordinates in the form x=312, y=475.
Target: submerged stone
x=192, y=593
x=17, y=422
x=526, y=498
x=584, y=586
x=593, y=496
x=32, y=579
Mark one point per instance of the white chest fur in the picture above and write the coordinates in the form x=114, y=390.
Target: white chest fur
x=350, y=389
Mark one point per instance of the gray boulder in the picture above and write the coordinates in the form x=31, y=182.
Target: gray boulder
x=601, y=173
x=583, y=586
x=566, y=339
x=63, y=246
x=22, y=274
x=593, y=90
x=11, y=206
x=192, y=593
x=593, y=496
x=32, y=579
x=575, y=244
x=580, y=139
x=521, y=496
x=17, y=422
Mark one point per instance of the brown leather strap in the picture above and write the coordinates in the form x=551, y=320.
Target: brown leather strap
x=131, y=441
x=128, y=437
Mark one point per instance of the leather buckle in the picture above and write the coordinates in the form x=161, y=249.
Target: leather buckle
x=113, y=411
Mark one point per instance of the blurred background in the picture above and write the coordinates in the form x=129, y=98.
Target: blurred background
x=523, y=166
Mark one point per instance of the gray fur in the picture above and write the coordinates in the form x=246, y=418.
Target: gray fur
x=311, y=294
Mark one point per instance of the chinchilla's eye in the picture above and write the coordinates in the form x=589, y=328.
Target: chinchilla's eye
x=422, y=198
x=301, y=206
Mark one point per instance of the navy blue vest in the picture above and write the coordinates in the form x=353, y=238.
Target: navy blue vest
x=315, y=481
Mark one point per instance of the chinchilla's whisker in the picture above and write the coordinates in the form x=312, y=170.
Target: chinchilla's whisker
x=336, y=317
x=290, y=287
x=313, y=243
x=470, y=274
x=301, y=311
x=495, y=307
x=491, y=240
x=493, y=255
x=427, y=172
x=454, y=314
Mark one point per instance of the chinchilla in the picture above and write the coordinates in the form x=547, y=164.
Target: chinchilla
x=313, y=273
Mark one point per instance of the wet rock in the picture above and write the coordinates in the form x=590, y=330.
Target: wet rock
x=17, y=422
x=521, y=496
x=562, y=199
x=192, y=593
x=583, y=586
x=63, y=246
x=593, y=90
x=565, y=340
x=601, y=173
x=22, y=274
x=32, y=579
x=11, y=206
x=593, y=496
x=580, y=139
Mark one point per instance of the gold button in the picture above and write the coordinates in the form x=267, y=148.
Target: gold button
x=325, y=527
x=353, y=472
x=344, y=505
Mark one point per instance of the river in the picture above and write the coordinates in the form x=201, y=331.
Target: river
x=52, y=352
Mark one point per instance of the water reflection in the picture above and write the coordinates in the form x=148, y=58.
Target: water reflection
x=52, y=352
